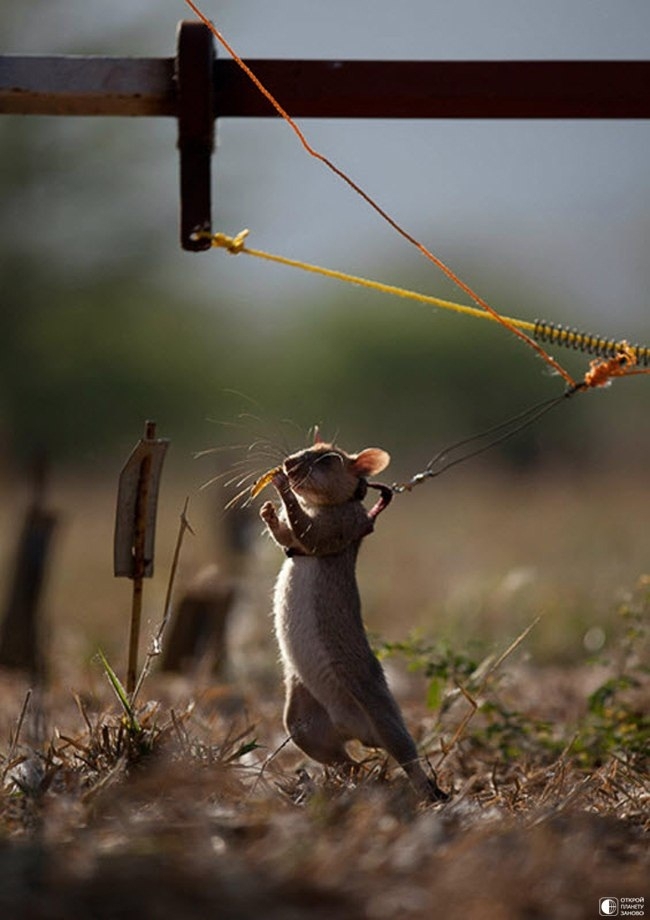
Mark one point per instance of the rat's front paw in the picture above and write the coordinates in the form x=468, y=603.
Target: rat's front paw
x=268, y=514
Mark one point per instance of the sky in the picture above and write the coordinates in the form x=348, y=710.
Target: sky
x=562, y=205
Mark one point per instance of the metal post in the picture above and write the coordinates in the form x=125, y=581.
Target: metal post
x=196, y=119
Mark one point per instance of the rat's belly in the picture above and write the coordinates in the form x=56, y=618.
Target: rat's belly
x=317, y=615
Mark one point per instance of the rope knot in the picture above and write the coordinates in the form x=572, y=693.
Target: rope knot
x=601, y=372
x=232, y=244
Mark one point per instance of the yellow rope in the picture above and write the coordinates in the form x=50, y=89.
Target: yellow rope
x=553, y=333
x=236, y=244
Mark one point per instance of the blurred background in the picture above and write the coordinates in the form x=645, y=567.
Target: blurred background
x=107, y=322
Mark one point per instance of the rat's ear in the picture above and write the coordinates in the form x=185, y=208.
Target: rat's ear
x=370, y=461
x=317, y=437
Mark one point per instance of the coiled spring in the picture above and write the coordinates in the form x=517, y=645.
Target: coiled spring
x=556, y=334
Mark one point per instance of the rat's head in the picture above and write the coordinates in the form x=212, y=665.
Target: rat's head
x=326, y=475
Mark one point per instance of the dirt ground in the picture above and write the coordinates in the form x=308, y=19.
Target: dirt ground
x=189, y=816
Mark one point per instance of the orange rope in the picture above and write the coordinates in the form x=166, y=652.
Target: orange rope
x=373, y=204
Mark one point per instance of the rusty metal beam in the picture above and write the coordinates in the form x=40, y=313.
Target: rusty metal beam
x=438, y=89
x=333, y=89
x=87, y=86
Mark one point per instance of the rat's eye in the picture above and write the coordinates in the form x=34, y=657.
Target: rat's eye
x=328, y=460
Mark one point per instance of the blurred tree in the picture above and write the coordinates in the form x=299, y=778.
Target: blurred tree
x=86, y=349
x=91, y=341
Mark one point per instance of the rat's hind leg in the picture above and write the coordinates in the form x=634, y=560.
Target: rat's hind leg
x=373, y=717
x=391, y=734
x=310, y=726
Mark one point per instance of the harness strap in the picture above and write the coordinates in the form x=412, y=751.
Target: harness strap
x=386, y=494
x=382, y=502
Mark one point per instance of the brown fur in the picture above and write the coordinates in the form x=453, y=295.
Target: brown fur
x=336, y=690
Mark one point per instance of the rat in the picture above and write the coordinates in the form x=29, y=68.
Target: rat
x=336, y=690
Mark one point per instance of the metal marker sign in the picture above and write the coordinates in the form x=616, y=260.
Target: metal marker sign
x=135, y=528
x=137, y=504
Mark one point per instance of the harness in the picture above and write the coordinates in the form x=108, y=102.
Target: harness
x=386, y=494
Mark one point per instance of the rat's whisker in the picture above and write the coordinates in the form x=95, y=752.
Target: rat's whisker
x=220, y=449
x=236, y=499
x=239, y=480
x=266, y=449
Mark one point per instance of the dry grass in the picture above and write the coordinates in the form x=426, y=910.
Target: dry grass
x=190, y=816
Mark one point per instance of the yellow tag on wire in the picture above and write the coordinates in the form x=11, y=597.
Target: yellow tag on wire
x=263, y=481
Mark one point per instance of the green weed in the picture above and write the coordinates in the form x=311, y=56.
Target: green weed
x=617, y=721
